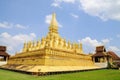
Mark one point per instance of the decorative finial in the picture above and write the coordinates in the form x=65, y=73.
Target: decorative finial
x=54, y=21
x=53, y=28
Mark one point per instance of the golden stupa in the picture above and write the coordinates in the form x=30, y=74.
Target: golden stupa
x=51, y=54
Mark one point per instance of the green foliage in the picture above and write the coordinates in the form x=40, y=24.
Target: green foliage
x=109, y=65
x=115, y=65
x=105, y=74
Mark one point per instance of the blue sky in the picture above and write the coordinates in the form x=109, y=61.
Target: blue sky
x=92, y=22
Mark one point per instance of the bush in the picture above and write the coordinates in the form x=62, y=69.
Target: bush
x=115, y=65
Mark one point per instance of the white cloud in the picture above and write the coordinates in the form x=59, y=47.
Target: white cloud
x=67, y=1
x=21, y=26
x=48, y=20
x=89, y=44
x=8, y=25
x=13, y=42
x=118, y=36
x=104, y=9
x=5, y=25
x=105, y=41
x=57, y=3
x=74, y=15
x=114, y=48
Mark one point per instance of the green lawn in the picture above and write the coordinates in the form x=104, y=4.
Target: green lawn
x=88, y=75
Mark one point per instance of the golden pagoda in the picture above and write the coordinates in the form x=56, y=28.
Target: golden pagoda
x=51, y=54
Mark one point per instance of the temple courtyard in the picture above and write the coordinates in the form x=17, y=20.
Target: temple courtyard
x=104, y=74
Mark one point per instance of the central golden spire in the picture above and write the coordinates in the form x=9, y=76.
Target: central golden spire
x=53, y=28
x=54, y=21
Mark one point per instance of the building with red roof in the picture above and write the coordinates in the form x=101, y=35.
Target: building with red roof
x=3, y=53
x=102, y=56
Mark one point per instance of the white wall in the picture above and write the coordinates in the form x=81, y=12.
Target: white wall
x=102, y=65
x=3, y=63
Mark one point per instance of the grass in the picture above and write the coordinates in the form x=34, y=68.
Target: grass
x=105, y=74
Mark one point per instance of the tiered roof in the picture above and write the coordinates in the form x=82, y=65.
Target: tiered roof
x=3, y=51
x=101, y=51
x=113, y=55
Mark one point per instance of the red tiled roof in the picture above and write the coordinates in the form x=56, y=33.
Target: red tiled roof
x=100, y=54
x=4, y=54
x=3, y=51
x=2, y=48
x=100, y=49
x=113, y=55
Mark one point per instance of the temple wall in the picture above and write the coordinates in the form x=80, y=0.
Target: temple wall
x=27, y=61
x=66, y=61
x=56, y=57
x=52, y=61
x=51, y=57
